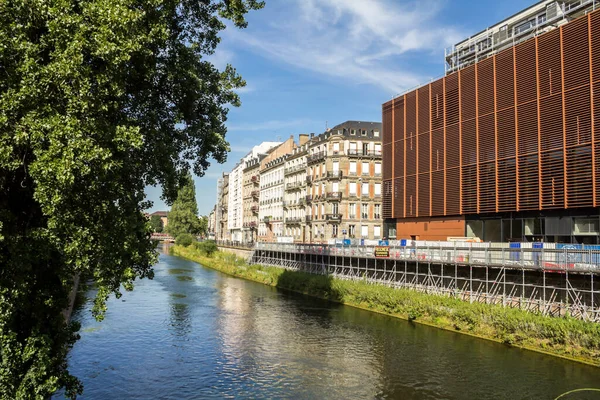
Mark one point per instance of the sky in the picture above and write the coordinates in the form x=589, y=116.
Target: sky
x=312, y=64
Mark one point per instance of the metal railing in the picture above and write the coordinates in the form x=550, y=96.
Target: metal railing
x=548, y=258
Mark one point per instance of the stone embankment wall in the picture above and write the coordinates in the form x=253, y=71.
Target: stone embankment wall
x=244, y=253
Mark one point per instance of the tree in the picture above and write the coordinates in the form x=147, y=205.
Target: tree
x=183, y=217
x=203, y=225
x=156, y=223
x=98, y=99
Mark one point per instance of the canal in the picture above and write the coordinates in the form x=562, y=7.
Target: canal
x=194, y=333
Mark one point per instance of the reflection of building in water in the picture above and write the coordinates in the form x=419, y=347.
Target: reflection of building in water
x=277, y=338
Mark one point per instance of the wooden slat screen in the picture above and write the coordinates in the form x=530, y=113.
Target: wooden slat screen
x=506, y=134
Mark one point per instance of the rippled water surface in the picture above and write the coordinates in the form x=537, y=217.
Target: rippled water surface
x=193, y=333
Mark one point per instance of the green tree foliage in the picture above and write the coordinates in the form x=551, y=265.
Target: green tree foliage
x=207, y=247
x=204, y=225
x=156, y=223
x=98, y=99
x=183, y=217
x=185, y=239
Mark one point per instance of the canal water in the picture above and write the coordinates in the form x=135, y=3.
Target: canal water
x=194, y=333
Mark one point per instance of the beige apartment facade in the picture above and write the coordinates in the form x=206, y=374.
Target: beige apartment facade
x=343, y=199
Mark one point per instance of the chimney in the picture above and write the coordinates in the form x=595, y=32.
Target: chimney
x=302, y=138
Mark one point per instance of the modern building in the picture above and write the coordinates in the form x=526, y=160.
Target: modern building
x=540, y=18
x=344, y=172
x=504, y=147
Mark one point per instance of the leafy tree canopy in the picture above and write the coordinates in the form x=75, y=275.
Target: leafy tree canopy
x=183, y=217
x=98, y=99
x=156, y=223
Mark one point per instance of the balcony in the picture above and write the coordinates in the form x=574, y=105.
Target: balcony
x=354, y=153
x=373, y=153
x=293, y=220
x=252, y=225
x=255, y=194
x=308, y=219
x=334, y=174
x=294, y=169
x=334, y=196
x=267, y=220
x=254, y=209
x=309, y=179
x=313, y=158
x=333, y=218
x=365, y=195
x=255, y=179
x=308, y=199
x=293, y=185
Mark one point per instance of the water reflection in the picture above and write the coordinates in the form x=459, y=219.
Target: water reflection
x=213, y=336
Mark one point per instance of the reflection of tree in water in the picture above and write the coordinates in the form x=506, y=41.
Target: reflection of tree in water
x=181, y=319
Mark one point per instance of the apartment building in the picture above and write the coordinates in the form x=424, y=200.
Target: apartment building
x=343, y=196
x=271, y=191
x=294, y=202
x=251, y=196
x=505, y=147
x=223, y=208
x=237, y=183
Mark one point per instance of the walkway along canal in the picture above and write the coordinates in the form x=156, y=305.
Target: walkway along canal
x=195, y=333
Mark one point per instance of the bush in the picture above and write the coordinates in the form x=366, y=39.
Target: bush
x=207, y=247
x=185, y=239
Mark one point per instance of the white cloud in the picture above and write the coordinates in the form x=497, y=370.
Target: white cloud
x=272, y=125
x=361, y=41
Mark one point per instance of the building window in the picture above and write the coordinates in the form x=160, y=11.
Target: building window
x=377, y=169
x=353, y=131
x=365, y=168
x=334, y=208
x=335, y=186
x=364, y=210
x=352, y=211
x=336, y=148
x=336, y=167
x=352, y=167
x=351, y=230
x=376, y=133
x=364, y=189
x=378, y=189
x=364, y=231
x=364, y=132
x=334, y=231
x=377, y=232
x=352, y=188
x=377, y=211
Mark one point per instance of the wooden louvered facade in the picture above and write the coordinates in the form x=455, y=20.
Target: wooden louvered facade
x=516, y=132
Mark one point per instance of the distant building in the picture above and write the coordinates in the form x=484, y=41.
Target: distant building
x=236, y=191
x=164, y=217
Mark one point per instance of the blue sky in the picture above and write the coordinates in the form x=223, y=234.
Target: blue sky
x=308, y=63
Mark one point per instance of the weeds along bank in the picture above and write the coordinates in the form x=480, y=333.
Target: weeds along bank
x=565, y=337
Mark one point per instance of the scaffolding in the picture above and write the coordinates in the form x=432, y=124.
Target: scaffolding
x=555, y=282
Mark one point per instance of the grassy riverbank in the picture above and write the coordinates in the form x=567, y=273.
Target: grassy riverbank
x=565, y=337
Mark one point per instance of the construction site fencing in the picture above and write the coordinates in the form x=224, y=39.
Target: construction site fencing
x=544, y=256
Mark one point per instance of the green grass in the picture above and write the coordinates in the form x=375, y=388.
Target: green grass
x=565, y=337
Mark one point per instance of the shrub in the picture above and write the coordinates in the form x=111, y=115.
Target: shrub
x=184, y=239
x=207, y=247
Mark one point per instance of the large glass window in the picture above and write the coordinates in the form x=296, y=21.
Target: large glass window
x=377, y=232
x=353, y=167
x=352, y=188
x=352, y=210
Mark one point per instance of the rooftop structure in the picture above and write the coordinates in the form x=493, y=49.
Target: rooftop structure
x=540, y=18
